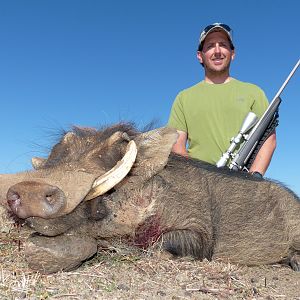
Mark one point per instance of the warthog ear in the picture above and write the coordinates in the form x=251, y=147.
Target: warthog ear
x=154, y=148
x=38, y=162
x=118, y=135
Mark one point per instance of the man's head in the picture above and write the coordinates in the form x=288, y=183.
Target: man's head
x=216, y=49
x=213, y=28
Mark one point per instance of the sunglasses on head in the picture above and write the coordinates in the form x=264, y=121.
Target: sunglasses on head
x=222, y=25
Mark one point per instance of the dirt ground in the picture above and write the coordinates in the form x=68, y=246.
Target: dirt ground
x=128, y=274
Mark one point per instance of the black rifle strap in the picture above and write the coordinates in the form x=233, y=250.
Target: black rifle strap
x=270, y=130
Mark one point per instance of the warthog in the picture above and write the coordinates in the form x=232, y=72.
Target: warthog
x=120, y=183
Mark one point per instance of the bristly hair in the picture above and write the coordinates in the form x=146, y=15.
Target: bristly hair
x=83, y=139
x=224, y=171
x=212, y=168
x=107, y=130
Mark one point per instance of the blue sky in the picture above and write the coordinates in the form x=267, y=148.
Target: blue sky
x=92, y=63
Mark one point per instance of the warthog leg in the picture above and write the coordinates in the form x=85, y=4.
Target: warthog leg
x=295, y=256
x=60, y=253
x=292, y=260
x=186, y=243
x=295, y=262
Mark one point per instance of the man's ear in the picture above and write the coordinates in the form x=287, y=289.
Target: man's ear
x=233, y=54
x=199, y=56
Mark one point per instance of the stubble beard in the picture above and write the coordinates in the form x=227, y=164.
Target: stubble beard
x=211, y=70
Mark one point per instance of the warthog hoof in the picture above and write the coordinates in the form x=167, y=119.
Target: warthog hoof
x=60, y=253
x=295, y=262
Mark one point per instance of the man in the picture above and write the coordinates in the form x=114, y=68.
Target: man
x=208, y=114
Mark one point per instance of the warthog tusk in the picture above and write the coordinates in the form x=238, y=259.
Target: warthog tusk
x=108, y=180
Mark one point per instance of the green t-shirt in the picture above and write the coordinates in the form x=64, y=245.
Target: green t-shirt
x=211, y=114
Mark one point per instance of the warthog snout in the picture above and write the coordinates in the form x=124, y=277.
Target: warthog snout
x=31, y=198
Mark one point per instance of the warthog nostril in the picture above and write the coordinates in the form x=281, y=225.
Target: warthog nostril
x=52, y=195
x=50, y=198
x=13, y=198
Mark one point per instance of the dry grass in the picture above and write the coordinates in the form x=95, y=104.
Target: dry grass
x=121, y=274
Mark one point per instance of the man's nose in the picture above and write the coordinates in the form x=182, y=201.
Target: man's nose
x=217, y=48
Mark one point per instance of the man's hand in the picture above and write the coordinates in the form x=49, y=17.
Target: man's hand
x=180, y=146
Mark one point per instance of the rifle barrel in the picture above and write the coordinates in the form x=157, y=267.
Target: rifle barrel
x=287, y=80
x=278, y=94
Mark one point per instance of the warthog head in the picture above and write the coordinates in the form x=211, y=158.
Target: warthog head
x=85, y=164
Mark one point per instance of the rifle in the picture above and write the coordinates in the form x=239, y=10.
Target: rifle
x=261, y=130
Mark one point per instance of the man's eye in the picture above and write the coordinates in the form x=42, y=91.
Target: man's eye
x=224, y=45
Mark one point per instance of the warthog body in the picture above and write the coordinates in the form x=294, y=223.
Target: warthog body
x=180, y=205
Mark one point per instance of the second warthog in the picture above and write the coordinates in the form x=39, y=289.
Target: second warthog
x=119, y=183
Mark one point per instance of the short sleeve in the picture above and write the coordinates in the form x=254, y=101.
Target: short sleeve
x=177, y=117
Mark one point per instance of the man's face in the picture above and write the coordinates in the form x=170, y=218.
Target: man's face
x=216, y=54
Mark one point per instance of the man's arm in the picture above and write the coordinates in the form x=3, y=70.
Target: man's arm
x=264, y=156
x=180, y=146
